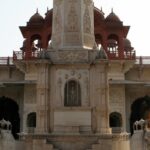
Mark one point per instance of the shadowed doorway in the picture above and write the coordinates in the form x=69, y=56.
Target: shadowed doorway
x=140, y=109
x=9, y=111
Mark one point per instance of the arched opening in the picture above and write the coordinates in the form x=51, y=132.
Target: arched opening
x=36, y=43
x=31, y=122
x=9, y=111
x=115, y=122
x=72, y=94
x=140, y=109
x=112, y=45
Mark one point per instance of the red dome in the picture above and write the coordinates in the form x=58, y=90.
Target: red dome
x=98, y=14
x=112, y=17
x=36, y=19
x=127, y=42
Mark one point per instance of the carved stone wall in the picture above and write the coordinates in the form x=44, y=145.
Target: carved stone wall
x=117, y=102
x=99, y=97
x=63, y=76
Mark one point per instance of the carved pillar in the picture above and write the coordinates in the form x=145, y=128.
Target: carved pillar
x=43, y=98
x=101, y=100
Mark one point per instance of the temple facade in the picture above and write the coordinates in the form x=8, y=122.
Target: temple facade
x=75, y=84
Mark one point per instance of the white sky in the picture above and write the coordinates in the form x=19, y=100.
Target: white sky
x=15, y=13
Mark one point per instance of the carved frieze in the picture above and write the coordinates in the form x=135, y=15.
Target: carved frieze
x=72, y=56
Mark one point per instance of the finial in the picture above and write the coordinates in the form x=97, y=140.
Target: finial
x=112, y=10
x=47, y=9
x=37, y=11
x=101, y=9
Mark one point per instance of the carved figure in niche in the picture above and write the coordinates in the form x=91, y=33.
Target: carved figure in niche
x=72, y=94
x=87, y=21
x=72, y=18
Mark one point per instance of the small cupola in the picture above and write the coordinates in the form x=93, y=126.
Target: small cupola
x=36, y=19
x=113, y=17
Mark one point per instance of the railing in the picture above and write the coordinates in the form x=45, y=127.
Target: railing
x=128, y=55
x=6, y=60
x=143, y=60
x=19, y=55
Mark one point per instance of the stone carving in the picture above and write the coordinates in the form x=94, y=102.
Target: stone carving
x=57, y=24
x=87, y=21
x=5, y=125
x=57, y=18
x=72, y=72
x=87, y=2
x=73, y=39
x=72, y=56
x=58, y=2
x=72, y=18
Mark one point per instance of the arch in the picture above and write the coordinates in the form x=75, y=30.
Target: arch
x=140, y=109
x=113, y=36
x=31, y=120
x=36, y=37
x=112, y=45
x=9, y=110
x=72, y=94
x=115, y=119
x=36, y=42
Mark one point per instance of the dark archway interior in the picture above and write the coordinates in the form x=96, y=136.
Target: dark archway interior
x=9, y=111
x=115, y=120
x=140, y=109
x=31, y=120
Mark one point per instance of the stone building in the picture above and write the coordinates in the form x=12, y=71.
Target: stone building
x=72, y=84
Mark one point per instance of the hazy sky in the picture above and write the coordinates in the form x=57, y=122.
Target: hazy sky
x=15, y=13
